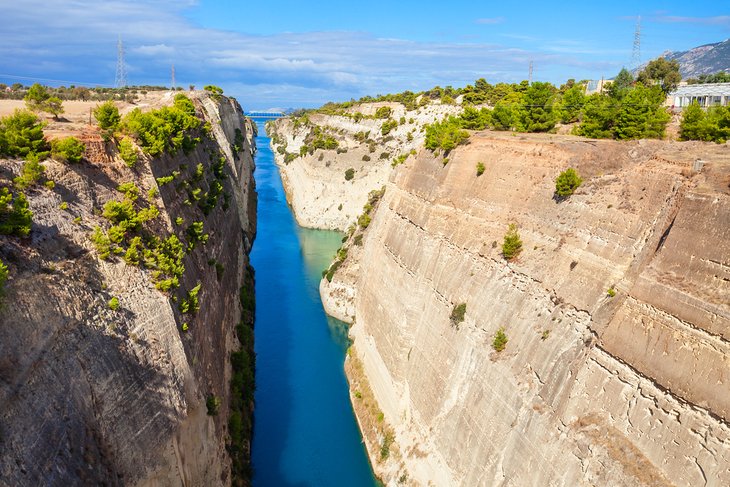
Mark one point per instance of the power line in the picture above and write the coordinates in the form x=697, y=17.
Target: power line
x=82, y=83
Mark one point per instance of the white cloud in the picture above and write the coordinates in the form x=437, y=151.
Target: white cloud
x=77, y=40
x=490, y=21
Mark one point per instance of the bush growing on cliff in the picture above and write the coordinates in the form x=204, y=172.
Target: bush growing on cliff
x=30, y=173
x=21, y=134
x=212, y=404
x=445, y=135
x=512, y=245
x=500, y=340
x=114, y=303
x=128, y=153
x=458, y=314
x=15, y=215
x=383, y=112
x=388, y=126
x=4, y=273
x=164, y=130
x=215, y=91
x=349, y=174
x=480, y=168
x=107, y=114
x=567, y=182
x=190, y=303
x=69, y=149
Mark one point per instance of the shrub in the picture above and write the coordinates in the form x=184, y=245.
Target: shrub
x=366, y=158
x=63, y=206
x=383, y=112
x=128, y=153
x=611, y=292
x=107, y=114
x=21, y=134
x=30, y=173
x=113, y=303
x=500, y=340
x=190, y=303
x=713, y=125
x=4, y=273
x=480, y=168
x=39, y=100
x=385, y=447
x=15, y=216
x=166, y=129
x=512, y=245
x=349, y=174
x=215, y=91
x=364, y=220
x=399, y=160
x=458, y=314
x=567, y=182
x=69, y=149
x=445, y=135
x=212, y=404
x=388, y=126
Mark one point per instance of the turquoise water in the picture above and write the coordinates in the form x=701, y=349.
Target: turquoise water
x=305, y=432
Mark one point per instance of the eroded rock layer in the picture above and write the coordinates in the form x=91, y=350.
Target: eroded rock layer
x=591, y=389
x=90, y=395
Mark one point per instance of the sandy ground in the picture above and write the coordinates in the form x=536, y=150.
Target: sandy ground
x=78, y=114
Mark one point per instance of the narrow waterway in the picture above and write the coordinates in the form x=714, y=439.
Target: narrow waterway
x=305, y=433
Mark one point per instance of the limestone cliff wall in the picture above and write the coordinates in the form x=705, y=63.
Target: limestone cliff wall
x=590, y=389
x=93, y=396
x=315, y=183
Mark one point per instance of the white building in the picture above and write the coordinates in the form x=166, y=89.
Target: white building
x=706, y=95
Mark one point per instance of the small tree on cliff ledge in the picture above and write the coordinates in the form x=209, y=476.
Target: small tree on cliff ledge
x=512, y=245
x=567, y=182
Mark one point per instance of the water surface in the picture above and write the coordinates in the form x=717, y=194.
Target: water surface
x=305, y=433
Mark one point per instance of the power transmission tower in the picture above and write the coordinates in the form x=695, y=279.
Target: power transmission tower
x=173, y=77
x=530, y=74
x=636, y=53
x=120, y=81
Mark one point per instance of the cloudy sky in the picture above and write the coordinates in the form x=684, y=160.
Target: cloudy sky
x=298, y=53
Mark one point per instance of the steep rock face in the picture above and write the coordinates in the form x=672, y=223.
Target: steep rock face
x=93, y=396
x=590, y=389
x=315, y=183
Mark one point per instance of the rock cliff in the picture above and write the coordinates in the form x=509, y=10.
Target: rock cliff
x=91, y=395
x=616, y=313
x=316, y=184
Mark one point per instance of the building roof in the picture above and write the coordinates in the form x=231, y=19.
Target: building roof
x=707, y=89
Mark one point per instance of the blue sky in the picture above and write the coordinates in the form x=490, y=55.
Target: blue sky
x=297, y=53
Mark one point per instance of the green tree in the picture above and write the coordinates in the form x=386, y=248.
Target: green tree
x=39, y=100
x=571, y=104
x=502, y=117
x=694, y=124
x=663, y=73
x=641, y=114
x=107, y=114
x=599, y=117
x=36, y=97
x=620, y=84
x=15, y=215
x=69, y=149
x=537, y=114
x=512, y=245
x=21, y=134
x=30, y=172
x=128, y=153
x=567, y=182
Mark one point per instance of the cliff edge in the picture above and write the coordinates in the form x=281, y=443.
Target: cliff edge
x=106, y=378
x=615, y=314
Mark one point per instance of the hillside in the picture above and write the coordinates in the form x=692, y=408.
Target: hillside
x=707, y=59
x=110, y=373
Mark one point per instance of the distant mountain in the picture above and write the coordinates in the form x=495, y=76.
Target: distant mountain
x=707, y=59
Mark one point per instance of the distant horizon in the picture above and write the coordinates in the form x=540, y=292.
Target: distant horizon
x=299, y=56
